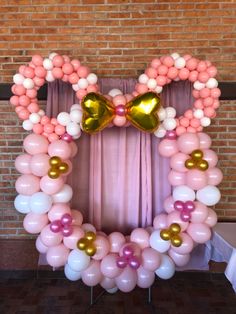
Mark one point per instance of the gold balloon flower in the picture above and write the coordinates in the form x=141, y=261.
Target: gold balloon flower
x=58, y=167
x=86, y=243
x=172, y=234
x=196, y=161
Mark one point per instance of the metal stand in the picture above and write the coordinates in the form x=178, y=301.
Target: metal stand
x=150, y=295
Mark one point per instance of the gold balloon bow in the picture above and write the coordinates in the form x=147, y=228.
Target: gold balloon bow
x=86, y=243
x=141, y=111
x=172, y=234
x=58, y=167
x=196, y=161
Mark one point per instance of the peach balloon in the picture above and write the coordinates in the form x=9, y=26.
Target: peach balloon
x=77, y=217
x=58, y=210
x=34, y=223
x=102, y=247
x=22, y=163
x=35, y=144
x=27, y=184
x=141, y=237
x=57, y=255
x=117, y=240
x=51, y=186
x=174, y=217
x=50, y=238
x=71, y=241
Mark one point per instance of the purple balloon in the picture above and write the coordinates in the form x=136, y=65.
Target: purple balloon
x=66, y=220
x=128, y=251
x=134, y=262
x=121, y=262
x=67, y=231
x=171, y=135
x=185, y=216
x=55, y=226
x=66, y=137
x=189, y=206
x=178, y=205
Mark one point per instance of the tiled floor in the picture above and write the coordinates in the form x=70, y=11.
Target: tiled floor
x=185, y=293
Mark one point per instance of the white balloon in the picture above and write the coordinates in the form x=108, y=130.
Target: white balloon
x=175, y=55
x=18, y=79
x=198, y=85
x=160, y=132
x=183, y=193
x=64, y=195
x=169, y=124
x=75, y=107
x=49, y=77
x=41, y=112
x=198, y=113
x=167, y=268
x=47, y=64
x=34, y=117
x=83, y=83
x=28, y=83
x=161, y=114
x=158, y=89
x=212, y=83
x=170, y=112
x=209, y=195
x=40, y=203
x=40, y=246
x=114, y=92
x=63, y=118
x=92, y=78
x=75, y=87
x=143, y=79
x=27, y=125
x=78, y=260
x=180, y=63
x=157, y=243
x=52, y=55
x=71, y=274
x=76, y=115
x=205, y=121
x=22, y=203
x=112, y=290
x=152, y=83
x=73, y=128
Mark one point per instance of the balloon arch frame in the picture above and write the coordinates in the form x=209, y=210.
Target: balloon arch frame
x=116, y=261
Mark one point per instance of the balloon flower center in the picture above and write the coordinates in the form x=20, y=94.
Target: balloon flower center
x=120, y=110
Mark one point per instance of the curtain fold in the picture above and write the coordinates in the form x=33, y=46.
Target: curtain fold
x=119, y=179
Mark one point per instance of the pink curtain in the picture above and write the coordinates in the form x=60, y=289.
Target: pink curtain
x=119, y=179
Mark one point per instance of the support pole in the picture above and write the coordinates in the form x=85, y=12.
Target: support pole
x=150, y=295
x=91, y=295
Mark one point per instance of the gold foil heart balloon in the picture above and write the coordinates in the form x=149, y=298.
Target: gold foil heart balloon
x=142, y=112
x=98, y=112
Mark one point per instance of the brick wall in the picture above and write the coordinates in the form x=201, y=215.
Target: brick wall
x=116, y=39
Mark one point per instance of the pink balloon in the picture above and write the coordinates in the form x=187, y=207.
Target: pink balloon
x=130, y=247
x=200, y=213
x=51, y=186
x=214, y=176
x=57, y=211
x=71, y=241
x=145, y=277
x=211, y=219
x=35, y=144
x=109, y=267
x=77, y=217
x=141, y=237
x=102, y=247
x=169, y=204
x=40, y=246
x=119, y=121
x=151, y=259
x=176, y=178
x=57, y=255
x=174, y=217
x=196, y=179
x=211, y=157
x=127, y=280
x=117, y=240
x=92, y=275
x=199, y=232
x=22, y=164
x=74, y=149
x=39, y=164
x=27, y=184
x=50, y=238
x=188, y=142
x=187, y=245
x=168, y=148
x=177, y=162
x=34, y=223
x=60, y=148
x=108, y=283
x=160, y=221
x=179, y=259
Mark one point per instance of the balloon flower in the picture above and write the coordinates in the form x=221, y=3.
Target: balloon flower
x=185, y=209
x=57, y=167
x=172, y=234
x=86, y=243
x=196, y=161
x=63, y=225
x=128, y=258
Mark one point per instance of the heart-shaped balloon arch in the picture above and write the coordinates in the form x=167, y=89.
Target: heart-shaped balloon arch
x=116, y=261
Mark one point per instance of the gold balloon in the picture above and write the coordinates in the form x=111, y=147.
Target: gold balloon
x=202, y=165
x=190, y=164
x=142, y=112
x=55, y=161
x=98, y=112
x=63, y=167
x=165, y=234
x=82, y=244
x=90, y=236
x=175, y=228
x=176, y=240
x=90, y=250
x=53, y=173
x=197, y=155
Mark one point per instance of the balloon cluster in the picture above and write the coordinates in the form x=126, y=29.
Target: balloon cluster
x=116, y=261
x=87, y=243
x=63, y=225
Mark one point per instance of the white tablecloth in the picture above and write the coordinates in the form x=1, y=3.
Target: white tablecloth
x=223, y=248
